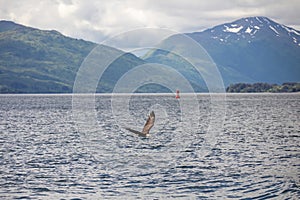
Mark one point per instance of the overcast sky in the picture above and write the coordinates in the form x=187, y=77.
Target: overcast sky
x=95, y=20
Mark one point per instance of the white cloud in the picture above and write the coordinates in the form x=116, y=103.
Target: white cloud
x=95, y=20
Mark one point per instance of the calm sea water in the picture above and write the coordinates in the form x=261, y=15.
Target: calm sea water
x=46, y=154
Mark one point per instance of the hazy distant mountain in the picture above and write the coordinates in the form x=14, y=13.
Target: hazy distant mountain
x=38, y=61
x=254, y=49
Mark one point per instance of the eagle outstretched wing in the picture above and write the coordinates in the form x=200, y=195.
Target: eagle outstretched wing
x=149, y=124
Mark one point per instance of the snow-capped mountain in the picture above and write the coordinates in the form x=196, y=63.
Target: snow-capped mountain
x=248, y=29
x=253, y=49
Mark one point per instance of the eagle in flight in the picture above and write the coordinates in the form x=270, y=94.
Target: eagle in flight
x=149, y=124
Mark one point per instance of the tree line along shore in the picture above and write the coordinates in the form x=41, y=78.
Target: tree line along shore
x=263, y=87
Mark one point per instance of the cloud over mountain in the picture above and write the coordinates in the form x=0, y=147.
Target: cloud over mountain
x=96, y=20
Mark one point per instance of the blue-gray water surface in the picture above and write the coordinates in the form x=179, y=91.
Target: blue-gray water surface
x=46, y=154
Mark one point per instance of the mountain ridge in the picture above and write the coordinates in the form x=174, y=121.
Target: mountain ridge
x=46, y=61
x=253, y=49
x=254, y=25
x=257, y=43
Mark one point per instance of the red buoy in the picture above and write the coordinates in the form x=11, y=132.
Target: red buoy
x=177, y=94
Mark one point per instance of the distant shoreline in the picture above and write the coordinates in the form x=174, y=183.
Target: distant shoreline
x=142, y=94
x=289, y=87
x=247, y=88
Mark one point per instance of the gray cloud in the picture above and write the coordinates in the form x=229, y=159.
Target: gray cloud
x=96, y=20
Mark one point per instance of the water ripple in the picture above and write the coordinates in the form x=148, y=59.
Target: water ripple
x=44, y=156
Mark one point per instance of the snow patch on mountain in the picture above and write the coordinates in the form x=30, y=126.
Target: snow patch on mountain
x=273, y=29
x=266, y=20
x=248, y=30
x=253, y=29
x=233, y=29
x=290, y=30
x=257, y=18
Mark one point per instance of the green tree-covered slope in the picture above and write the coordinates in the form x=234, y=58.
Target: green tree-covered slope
x=39, y=61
